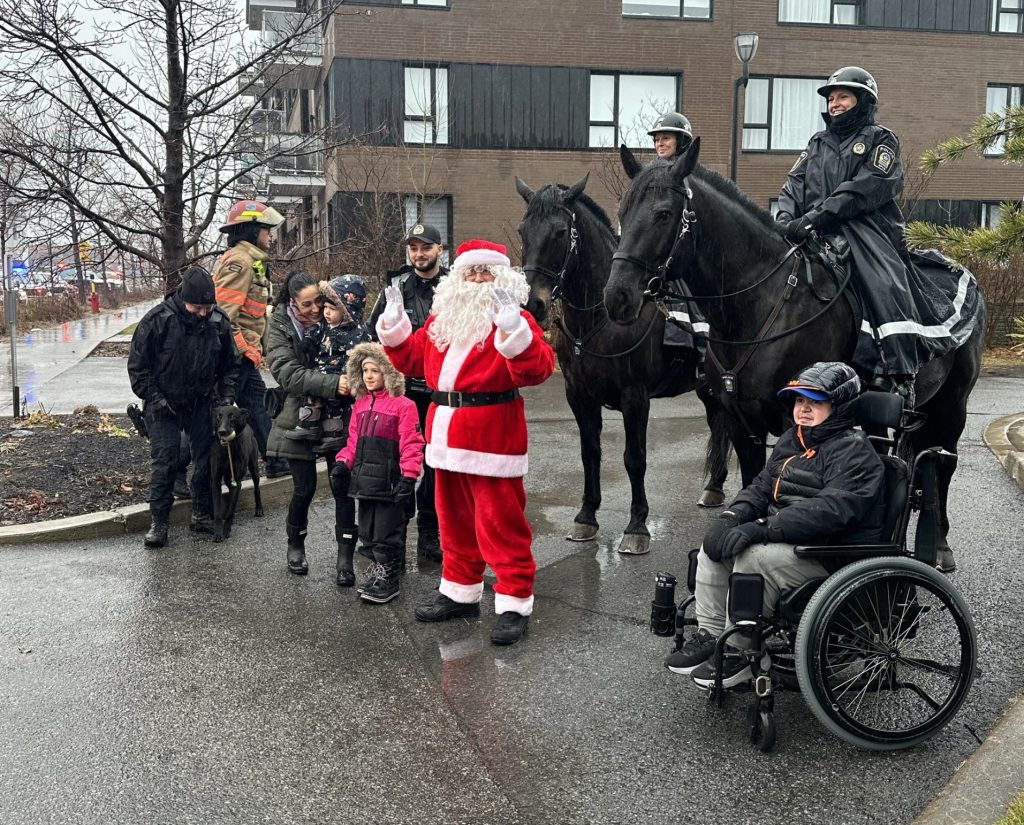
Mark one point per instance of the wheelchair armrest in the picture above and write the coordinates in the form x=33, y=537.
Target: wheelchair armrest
x=824, y=551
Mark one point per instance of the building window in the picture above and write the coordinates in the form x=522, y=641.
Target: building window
x=781, y=113
x=997, y=99
x=819, y=11
x=437, y=211
x=440, y=3
x=990, y=215
x=1008, y=16
x=623, y=107
x=687, y=9
x=426, y=105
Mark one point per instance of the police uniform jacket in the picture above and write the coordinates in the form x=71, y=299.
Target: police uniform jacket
x=180, y=358
x=243, y=293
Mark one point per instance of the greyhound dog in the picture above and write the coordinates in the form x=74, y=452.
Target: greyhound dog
x=232, y=457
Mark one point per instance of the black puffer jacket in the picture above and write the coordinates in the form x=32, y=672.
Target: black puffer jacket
x=182, y=358
x=822, y=484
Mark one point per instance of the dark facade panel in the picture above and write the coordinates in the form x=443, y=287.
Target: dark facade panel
x=872, y=13
x=367, y=96
x=928, y=15
x=981, y=15
x=963, y=213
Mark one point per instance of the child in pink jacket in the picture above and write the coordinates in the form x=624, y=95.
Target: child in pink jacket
x=379, y=465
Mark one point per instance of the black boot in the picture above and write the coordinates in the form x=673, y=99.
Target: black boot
x=157, y=535
x=346, y=537
x=386, y=586
x=297, y=550
x=428, y=540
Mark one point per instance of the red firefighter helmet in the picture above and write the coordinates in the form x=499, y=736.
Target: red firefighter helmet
x=245, y=212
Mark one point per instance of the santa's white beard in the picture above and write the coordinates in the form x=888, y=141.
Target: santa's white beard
x=464, y=310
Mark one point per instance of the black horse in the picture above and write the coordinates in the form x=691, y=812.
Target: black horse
x=568, y=244
x=681, y=220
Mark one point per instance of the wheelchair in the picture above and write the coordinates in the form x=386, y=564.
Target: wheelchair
x=884, y=650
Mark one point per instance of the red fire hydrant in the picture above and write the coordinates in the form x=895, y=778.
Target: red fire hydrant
x=94, y=301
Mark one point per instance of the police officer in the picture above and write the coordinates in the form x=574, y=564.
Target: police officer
x=845, y=182
x=182, y=360
x=243, y=286
x=417, y=281
x=672, y=134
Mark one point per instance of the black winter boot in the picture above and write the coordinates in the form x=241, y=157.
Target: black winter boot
x=385, y=587
x=157, y=535
x=297, y=550
x=346, y=537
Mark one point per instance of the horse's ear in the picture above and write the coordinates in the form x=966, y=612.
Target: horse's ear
x=575, y=190
x=629, y=162
x=525, y=192
x=686, y=162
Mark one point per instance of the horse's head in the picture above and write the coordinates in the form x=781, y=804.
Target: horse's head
x=549, y=235
x=650, y=220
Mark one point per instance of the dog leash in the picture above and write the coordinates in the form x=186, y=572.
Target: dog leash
x=226, y=442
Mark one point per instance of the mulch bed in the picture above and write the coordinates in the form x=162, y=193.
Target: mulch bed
x=69, y=465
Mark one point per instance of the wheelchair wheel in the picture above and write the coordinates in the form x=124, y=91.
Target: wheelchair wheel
x=886, y=653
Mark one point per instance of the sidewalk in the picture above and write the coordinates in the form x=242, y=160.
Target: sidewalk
x=986, y=784
x=52, y=369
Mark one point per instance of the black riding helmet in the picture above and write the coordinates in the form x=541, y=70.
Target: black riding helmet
x=676, y=123
x=825, y=381
x=854, y=78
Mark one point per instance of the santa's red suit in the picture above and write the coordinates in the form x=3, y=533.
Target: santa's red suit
x=479, y=453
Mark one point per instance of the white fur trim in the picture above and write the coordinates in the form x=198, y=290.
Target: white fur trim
x=486, y=257
x=454, y=459
x=396, y=335
x=517, y=342
x=454, y=357
x=462, y=593
x=503, y=604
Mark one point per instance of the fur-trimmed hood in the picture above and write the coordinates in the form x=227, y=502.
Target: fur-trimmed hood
x=394, y=381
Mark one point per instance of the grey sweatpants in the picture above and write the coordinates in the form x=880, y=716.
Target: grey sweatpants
x=776, y=562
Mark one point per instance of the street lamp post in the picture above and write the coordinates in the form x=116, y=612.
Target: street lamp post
x=745, y=46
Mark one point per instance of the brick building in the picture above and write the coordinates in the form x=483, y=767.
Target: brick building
x=449, y=100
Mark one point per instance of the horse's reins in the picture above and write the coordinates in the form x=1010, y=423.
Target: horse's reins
x=226, y=442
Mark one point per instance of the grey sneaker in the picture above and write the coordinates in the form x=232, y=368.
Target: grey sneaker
x=694, y=652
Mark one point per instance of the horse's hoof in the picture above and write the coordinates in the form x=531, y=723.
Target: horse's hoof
x=944, y=561
x=582, y=532
x=634, y=544
x=711, y=498
x=259, y=512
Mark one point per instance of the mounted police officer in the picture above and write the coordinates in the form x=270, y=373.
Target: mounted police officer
x=672, y=134
x=845, y=182
x=182, y=360
x=243, y=286
x=417, y=280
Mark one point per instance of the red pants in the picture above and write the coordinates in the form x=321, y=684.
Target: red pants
x=482, y=522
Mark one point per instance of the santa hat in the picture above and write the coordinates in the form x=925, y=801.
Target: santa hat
x=484, y=253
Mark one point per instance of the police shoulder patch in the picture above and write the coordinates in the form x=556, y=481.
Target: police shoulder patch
x=883, y=158
x=799, y=160
x=859, y=148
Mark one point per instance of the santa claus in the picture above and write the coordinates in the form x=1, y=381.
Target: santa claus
x=475, y=352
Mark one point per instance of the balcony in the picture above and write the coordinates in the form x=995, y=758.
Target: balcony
x=295, y=174
x=255, y=9
x=298, y=66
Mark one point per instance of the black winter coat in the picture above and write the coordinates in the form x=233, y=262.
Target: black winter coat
x=181, y=358
x=822, y=485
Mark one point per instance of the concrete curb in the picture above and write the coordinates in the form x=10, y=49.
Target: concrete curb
x=1005, y=438
x=135, y=519
x=986, y=784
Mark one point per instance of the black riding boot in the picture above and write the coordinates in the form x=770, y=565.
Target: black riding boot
x=297, y=550
x=346, y=537
x=428, y=540
x=157, y=535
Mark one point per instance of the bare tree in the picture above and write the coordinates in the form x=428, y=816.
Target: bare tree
x=155, y=95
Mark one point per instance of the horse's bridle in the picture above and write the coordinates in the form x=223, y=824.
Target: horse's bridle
x=656, y=284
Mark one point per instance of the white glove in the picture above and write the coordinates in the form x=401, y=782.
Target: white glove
x=506, y=313
x=394, y=309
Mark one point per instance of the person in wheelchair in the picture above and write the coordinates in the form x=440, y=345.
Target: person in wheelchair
x=824, y=483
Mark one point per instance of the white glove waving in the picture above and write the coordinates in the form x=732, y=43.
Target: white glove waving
x=506, y=313
x=395, y=307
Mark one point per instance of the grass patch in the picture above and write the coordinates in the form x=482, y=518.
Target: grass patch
x=1015, y=813
x=1001, y=357
x=129, y=330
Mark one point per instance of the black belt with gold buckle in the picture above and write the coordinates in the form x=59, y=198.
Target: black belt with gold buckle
x=472, y=399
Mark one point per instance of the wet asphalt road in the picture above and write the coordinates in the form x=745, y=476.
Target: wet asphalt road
x=203, y=684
